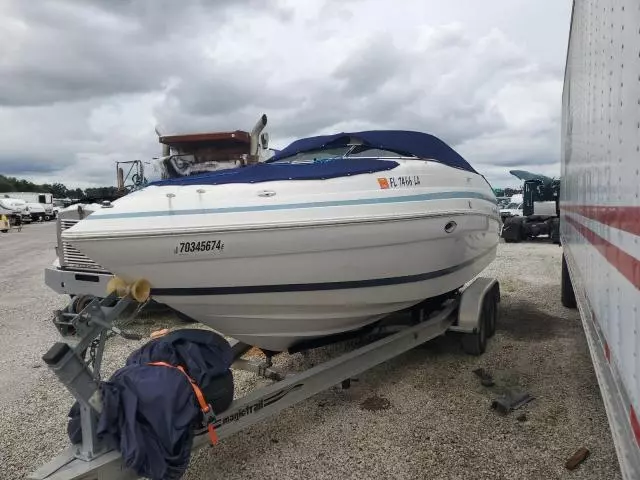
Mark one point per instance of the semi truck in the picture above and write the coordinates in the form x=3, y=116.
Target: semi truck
x=600, y=205
x=537, y=212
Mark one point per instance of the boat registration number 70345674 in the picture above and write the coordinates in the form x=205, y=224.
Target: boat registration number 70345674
x=399, y=182
x=213, y=246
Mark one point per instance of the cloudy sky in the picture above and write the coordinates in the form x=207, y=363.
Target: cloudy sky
x=85, y=82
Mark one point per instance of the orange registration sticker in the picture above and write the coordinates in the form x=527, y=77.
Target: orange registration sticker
x=383, y=182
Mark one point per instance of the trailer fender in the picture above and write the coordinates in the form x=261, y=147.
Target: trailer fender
x=471, y=303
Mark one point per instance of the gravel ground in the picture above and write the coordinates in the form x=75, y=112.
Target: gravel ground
x=422, y=415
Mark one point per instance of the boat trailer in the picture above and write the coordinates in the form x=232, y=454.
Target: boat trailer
x=77, y=359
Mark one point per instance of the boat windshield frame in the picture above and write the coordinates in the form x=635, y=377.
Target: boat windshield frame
x=343, y=152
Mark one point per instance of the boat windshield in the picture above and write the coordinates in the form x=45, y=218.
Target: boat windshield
x=348, y=151
x=514, y=206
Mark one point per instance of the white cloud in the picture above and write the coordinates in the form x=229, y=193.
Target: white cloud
x=88, y=91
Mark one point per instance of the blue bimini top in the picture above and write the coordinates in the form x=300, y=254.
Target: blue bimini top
x=418, y=144
x=321, y=163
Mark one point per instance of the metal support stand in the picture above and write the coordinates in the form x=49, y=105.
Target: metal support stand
x=260, y=368
x=86, y=334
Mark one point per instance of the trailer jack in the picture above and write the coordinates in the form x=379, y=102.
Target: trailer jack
x=76, y=360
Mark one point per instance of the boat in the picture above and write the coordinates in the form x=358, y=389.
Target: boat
x=15, y=207
x=330, y=235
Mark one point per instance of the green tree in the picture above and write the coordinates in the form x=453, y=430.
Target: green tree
x=6, y=185
x=59, y=190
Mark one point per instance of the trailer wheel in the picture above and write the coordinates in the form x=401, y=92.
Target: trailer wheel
x=554, y=231
x=80, y=302
x=512, y=230
x=476, y=343
x=567, y=294
x=492, y=319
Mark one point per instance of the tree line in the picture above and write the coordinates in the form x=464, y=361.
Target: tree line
x=59, y=190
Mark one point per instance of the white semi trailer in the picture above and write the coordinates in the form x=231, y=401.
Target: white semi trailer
x=600, y=205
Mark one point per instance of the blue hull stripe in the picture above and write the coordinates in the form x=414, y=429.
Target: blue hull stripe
x=293, y=206
x=310, y=287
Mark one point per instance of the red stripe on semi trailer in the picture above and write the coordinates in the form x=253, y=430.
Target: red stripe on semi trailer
x=635, y=425
x=622, y=218
x=629, y=267
x=626, y=264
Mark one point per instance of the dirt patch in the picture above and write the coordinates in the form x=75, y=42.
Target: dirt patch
x=375, y=404
x=523, y=321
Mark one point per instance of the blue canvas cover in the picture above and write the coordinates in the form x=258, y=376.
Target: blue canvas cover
x=419, y=144
x=269, y=172
x=150, y=412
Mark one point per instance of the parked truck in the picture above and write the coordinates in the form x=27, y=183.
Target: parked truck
x=600, y=205
x=538, y=211
x=39, y=204
x=73, y=273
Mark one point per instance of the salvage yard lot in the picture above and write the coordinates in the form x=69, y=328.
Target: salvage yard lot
x=422, y=415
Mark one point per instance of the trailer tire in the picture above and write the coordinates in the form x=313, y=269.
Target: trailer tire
x=554, y=231
x=512, y=230
x=567, y=294
x=476, y=343
x=80, y=302
x=492, y=319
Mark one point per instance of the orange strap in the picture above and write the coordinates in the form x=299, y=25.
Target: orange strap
x=204, y=406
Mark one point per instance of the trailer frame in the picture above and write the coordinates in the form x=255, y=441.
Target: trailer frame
x=470, y=312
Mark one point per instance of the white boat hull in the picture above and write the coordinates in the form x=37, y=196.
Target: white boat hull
x=313, y=259
x=330, y=279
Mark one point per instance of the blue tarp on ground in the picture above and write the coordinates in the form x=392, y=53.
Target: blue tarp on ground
x=270, y=172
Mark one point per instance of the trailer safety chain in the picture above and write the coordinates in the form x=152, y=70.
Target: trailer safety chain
x=92, y=353
x=109, y=333
x=94, y=346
